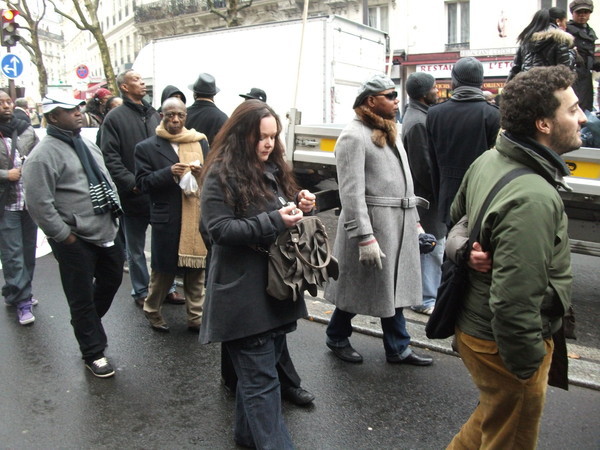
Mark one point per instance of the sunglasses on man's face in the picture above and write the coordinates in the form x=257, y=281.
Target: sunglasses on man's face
x=389, y=95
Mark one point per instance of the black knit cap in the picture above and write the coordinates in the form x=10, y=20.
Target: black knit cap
x=419, y=84
x=467, y=72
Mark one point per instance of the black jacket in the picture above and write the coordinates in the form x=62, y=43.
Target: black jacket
x=122, y=129
x=205, y=117
x=550, y=47
x=585, y=42
x=237, y=304
x=153, y=160
x=458, y=131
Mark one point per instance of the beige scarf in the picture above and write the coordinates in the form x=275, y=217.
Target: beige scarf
x=192, y=251
x=383, y=129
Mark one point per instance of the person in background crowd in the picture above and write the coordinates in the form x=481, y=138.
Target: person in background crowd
x=377, y=241
x=72, y=198
x=422, y=94
x=245, y=177
x=94, y=112
x=256, y=94
x=543, y=43
x=123, y=128
x=18, y=232
x=291, y=388
x=177, y=246
x=171, y=91
x=458, y=131
x=21, y=110
x=111, y=103
x=203, y=115
x=585, y=43
x=510, y=315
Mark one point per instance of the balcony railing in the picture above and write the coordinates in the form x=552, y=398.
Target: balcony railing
x=164, y=9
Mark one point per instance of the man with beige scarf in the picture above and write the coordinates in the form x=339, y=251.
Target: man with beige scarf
x=161, y=162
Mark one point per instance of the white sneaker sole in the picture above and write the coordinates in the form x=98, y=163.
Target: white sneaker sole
x=27, y=322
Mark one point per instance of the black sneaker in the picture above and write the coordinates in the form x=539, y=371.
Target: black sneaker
x=100, y=367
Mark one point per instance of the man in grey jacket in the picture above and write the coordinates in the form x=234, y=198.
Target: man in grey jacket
x=72, y=198
x=377, y=243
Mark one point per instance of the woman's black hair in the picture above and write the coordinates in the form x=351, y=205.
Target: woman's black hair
x=539, y=22
x=557, y=14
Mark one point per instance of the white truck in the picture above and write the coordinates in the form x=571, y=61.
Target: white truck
x=310, y=151
x=337, y=55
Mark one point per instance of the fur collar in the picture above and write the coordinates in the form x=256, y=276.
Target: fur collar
x=383, y=129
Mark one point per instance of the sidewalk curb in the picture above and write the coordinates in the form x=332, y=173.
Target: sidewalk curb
x=583, y=372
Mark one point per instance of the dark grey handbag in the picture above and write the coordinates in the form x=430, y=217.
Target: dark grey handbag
x=300, y=260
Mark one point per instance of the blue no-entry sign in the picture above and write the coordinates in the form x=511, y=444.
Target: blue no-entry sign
x=12, y=66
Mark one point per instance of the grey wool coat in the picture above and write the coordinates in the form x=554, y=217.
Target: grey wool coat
x=372, y=180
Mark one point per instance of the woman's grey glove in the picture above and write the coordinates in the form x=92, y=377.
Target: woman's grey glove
x=427, y=243
x=369, y=252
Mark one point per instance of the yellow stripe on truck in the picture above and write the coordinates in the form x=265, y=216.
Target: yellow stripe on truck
x=327, y=145
x=584, y=169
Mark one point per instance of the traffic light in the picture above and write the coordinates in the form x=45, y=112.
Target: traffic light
x=10, y=29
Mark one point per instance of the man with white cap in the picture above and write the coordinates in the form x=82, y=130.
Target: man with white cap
x=377, y=243
x=203, y=115
x=71, y=197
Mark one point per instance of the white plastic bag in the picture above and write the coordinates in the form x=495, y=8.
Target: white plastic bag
x=188, y=181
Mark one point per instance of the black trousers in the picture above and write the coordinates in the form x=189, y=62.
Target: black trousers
x=288, y=377
x=90, y=276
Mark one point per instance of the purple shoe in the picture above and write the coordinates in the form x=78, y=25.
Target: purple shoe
x=34, y=302
x=24, y=312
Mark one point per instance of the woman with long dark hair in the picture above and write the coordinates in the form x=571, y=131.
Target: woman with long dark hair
x=544, y=42
x=246, y=189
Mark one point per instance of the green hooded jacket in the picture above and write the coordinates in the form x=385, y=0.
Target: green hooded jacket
x=522, y=300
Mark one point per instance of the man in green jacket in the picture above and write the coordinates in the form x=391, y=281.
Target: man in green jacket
x=504, y=332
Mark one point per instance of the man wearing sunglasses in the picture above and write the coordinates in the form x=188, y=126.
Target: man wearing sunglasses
x=377, y=243
x=458, y=131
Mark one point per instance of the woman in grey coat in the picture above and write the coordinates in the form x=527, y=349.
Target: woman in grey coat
x=377, y=242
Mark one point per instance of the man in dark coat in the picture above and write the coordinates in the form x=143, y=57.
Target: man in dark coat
x=177, y=247
x=122, y=129
x=458, y=131
x=203, y=115
x=422, y=94
x=585, y=43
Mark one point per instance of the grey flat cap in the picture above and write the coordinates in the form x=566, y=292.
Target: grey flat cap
x=374, y=85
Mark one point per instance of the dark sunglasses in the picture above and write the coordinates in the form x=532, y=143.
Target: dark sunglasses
x=389, y=95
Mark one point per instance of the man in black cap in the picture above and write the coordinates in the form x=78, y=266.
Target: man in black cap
x=585, y=43
x=203, y=115
x=422, y=94
x=256, y=94
x=458, y=131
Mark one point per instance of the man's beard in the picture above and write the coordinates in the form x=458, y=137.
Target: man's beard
x=562, y=141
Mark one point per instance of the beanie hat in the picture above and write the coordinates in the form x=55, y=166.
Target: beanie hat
x=374, y=85
x=467, y=72
x=102, y=93
x=419, y=84
x=576, y=5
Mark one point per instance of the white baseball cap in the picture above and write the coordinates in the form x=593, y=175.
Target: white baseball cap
x=60, y=101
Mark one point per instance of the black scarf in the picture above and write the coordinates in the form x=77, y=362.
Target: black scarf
x=102, y=195
x=8, y=128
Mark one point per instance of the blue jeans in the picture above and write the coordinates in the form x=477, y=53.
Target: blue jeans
x=134, y=230
x=90, y=277
x=258, y=416
x=18, y=238
x=396, y=339
x=431, y=273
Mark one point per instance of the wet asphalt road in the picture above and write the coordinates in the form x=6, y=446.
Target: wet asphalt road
x=167, y=393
